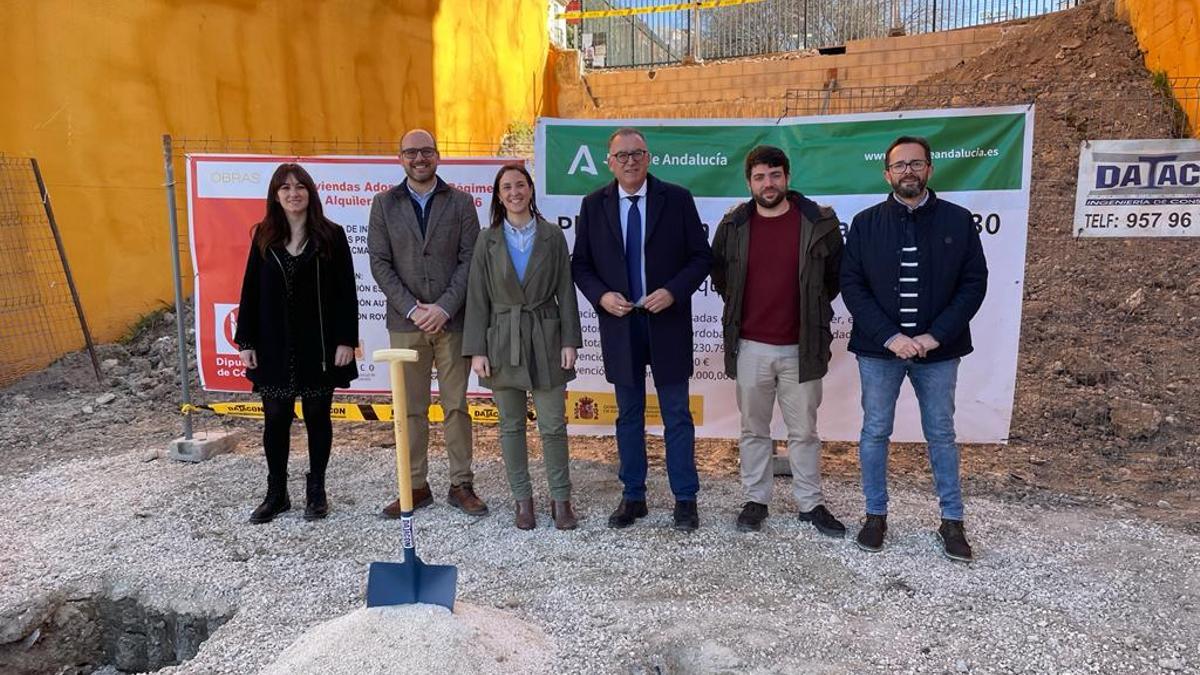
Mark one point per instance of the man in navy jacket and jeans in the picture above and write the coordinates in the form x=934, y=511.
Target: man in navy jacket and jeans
x=913, y=276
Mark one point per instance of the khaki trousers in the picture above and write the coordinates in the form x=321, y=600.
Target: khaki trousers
x=443, y=350
x=766, y=373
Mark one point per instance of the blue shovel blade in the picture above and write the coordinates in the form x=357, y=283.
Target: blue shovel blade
x=410, y=582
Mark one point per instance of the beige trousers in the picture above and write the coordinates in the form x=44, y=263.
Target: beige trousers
x=443, y=350
x=766, y=373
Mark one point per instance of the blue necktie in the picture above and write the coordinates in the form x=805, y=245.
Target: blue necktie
x=633, y=249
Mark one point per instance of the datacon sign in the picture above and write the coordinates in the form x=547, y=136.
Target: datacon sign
x=1138, y=188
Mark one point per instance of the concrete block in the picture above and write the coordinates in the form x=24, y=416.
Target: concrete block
x=202, y=446
x=867, y=45
x=948, y=52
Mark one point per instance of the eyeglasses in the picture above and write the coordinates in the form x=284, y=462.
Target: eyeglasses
x=625, y=157
x=425, y=153
x=915, y=165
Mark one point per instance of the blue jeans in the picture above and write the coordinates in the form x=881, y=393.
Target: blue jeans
x=934, y=385
x=679, y=432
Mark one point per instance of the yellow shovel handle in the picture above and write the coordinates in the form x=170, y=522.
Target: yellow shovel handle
x=395, y=357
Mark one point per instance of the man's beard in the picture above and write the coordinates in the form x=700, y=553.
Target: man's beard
x=910, y=189
x=770, y=203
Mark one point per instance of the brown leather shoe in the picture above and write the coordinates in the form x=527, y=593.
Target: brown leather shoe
x=463, y=498
x=525, y=519
x=422, y=497
x=563, y=515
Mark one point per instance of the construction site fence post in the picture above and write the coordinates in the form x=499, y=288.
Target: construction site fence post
x=177, y=273
x=62, y=255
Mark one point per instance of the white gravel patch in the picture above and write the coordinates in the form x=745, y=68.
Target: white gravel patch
x=1052, y=591
x=417, y=639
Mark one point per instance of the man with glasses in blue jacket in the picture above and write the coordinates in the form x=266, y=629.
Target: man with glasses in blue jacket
x=913, y=276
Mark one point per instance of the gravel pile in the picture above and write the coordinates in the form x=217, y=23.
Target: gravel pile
x=417, y=639
x=1053, y=591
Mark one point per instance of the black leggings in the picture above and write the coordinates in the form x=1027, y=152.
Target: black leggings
x=277, y=425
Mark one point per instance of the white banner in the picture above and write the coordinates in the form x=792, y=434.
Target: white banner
x=226, y=197
x=982, y=162
x=1140, y=188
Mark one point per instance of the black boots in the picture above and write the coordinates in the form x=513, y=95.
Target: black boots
x=316, y=506
x=275, y=503
x=627, y=513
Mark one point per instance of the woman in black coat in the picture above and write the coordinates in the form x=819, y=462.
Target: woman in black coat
x=297, y=329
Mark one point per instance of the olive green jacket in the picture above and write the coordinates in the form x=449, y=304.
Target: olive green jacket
x=522, y=327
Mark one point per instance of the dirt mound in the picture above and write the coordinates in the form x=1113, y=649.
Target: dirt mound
x=418, y=639
x=1106, y=392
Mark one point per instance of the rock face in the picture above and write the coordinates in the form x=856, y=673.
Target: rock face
x=1132, y=420
x=417, y=639
x=1086, y=368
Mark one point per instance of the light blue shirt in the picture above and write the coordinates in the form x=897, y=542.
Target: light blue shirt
x=520, y=245
x=422, y=198
x=625, y=203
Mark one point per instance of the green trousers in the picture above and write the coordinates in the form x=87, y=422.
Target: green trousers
x=551, y=408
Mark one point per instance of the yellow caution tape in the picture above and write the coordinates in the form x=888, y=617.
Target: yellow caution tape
x=483, y=413
x=633, y=11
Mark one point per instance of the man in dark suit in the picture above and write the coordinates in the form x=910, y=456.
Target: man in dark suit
x=640, y=253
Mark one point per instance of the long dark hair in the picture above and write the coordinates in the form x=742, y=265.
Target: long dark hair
x=273, y=230
x=498, y=210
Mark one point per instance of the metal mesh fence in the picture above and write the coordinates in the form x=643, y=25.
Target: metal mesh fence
x=40, y=316
x=1174, y=99
x=655, y=38
x=1066, y=114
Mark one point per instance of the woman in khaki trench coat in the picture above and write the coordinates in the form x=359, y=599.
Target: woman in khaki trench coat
x=522, y=330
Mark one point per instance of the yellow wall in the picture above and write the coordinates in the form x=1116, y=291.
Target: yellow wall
x=1168, y=31
x=491, y=62
x=91, y=86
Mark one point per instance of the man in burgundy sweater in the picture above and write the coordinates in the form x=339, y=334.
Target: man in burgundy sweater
x=776, y=264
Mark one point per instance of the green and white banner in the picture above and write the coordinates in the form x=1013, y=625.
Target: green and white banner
x=981, y=161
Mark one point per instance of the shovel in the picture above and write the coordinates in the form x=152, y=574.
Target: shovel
x=411, y=581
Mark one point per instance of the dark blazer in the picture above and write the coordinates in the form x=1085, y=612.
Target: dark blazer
x=820, y=262
x=677, y=258
x=327, y=316
x=409, y=267
x=952, y=272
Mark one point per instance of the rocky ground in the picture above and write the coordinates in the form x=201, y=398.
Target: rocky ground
x=1054, y=589
x=106, y=539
